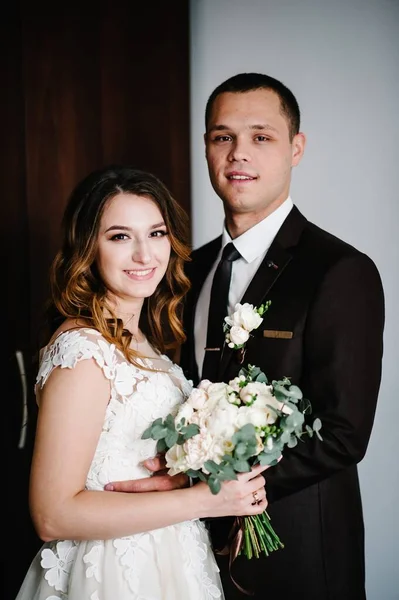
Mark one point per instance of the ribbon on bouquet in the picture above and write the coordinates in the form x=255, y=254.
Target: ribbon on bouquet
x=233, y=547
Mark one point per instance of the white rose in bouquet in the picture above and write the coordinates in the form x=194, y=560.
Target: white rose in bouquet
x=197, y=398
x=204, y=384
x=200, y=448
x=176, y=460
x=222, y=422
x=216, y=393
x=185, y=412
x=255, y=390
x=257, y=416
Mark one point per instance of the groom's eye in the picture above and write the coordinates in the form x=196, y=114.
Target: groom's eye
x=222, y=138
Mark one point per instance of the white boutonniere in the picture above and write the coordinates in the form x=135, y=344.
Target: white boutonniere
x=238, y=326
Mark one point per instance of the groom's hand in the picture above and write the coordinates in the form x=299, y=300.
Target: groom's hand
x=159, y=482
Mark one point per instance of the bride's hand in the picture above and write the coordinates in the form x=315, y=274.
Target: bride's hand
x=244, y=496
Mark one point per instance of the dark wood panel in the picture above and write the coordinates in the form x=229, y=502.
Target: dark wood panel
x=63, y=128
x=145, y=75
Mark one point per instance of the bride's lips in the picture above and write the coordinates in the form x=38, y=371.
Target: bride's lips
x=140, y=274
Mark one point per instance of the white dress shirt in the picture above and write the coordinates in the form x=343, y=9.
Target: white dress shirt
x=252, y=245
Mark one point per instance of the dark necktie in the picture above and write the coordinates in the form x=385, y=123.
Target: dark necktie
x=218, y=305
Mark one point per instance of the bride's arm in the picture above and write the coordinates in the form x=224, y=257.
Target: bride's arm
x=71, y=414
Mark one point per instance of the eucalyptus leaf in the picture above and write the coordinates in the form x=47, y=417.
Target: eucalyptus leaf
x=295, y=392
x=227, y=473
x=228, y=458
x=193, y=473
x=295, y=419
x=305, y=406
x=285, y=436
x=279, y=394
x=190, y=431
x=246, y=433
x=171, y=438
x=261, y=378
x=245, y=450
x=316, y=425
x=211, y=466
x=148, y=432
x=170, y=421
x=161, y=445
x=241, y=466
x=269, y=459
x=214, y=485
x=158, y=432
x=240, y=449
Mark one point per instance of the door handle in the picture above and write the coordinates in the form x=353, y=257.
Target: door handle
x=24, y=422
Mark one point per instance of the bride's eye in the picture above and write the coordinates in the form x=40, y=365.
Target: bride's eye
x=119, y=236
x=159, y=233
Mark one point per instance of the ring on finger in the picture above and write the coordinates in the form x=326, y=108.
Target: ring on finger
x=256, y=498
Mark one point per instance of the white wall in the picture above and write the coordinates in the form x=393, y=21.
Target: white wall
x=341, y=60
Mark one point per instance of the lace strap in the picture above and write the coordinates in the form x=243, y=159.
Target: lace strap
x=74, y=345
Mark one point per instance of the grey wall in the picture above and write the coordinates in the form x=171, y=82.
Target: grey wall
x=341, y=60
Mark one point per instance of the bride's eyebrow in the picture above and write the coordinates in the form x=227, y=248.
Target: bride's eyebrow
x=119, y=227
x=161, y=224
x=125, y=228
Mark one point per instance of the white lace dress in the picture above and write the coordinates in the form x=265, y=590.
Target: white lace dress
x=171, y=563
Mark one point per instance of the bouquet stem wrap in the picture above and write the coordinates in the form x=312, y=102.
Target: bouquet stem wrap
x=250, y=536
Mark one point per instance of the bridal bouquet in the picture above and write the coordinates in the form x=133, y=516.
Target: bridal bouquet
x=223, y=429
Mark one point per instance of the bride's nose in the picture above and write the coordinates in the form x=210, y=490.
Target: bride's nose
x=141, y=252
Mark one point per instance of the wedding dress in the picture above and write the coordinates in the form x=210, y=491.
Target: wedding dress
x=171, y=563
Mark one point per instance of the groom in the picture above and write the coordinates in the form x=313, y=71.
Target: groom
x=324, y=330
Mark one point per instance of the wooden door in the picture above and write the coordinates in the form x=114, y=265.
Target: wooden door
x=80, y=89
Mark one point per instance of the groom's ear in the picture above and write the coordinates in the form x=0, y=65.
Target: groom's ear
x=298, y=148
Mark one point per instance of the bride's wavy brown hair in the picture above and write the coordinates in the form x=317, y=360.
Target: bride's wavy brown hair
x=77, y=290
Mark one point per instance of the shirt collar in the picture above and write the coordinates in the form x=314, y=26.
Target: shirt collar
x=257, y=240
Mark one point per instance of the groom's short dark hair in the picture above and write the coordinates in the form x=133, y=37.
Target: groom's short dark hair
x=246, y=82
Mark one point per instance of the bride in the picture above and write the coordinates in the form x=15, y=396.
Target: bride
x=117, y=289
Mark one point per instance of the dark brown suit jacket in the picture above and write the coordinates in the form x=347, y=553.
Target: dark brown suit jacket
x=330, y=296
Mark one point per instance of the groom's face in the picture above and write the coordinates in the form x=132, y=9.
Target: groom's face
x=249, y=152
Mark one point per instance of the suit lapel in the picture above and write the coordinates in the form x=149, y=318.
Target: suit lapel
x=271, y=268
